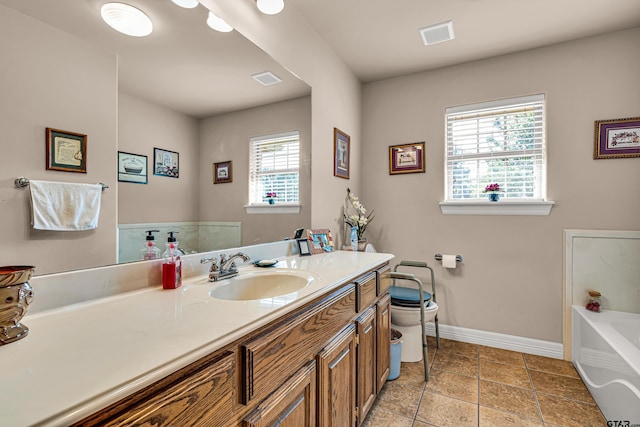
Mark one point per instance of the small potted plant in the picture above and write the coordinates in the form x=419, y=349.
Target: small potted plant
x=271, y=197
x=493, y=191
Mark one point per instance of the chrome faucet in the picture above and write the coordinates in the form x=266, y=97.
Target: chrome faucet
x=226, y=268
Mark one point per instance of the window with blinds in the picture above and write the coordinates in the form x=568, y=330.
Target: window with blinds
x=496, y=142
x=274, y=164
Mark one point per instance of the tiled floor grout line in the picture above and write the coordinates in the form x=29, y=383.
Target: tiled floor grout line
x=478, y=373
x=533, y=388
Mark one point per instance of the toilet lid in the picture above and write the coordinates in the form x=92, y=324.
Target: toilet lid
x=407, y=297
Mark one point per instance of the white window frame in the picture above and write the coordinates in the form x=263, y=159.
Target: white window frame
x=536, y=205
x=256, y=203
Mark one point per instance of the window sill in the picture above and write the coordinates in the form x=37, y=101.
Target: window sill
x=538, y=208
x=262, y=209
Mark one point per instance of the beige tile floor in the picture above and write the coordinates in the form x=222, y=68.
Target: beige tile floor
x=477, y=386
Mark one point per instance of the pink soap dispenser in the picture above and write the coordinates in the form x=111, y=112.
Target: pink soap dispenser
x=150, y=251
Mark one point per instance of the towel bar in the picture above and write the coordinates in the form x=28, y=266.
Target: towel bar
x=22, y=182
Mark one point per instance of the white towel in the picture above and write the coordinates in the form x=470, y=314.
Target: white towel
x=64, y=206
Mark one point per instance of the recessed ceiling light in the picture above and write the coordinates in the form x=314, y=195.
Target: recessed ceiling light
x=218, y=24
x=126, y=19
x=187, y=4
x=267, y=78
x=270, y=7
x=437, y=33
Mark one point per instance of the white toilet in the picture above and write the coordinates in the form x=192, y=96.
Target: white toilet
x=405, y=317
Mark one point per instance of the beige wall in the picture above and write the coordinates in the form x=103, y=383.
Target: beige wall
x=511, y=278
x=51, y=79
x=143, y=126
x=226, y=137
x=336, y=96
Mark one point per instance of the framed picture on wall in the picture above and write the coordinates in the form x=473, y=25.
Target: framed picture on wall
x=222, y=172
x=132, y=168
x=406, y=158
x=617, y=138
x=166, y=163
x=341, y=153
x=66, y=151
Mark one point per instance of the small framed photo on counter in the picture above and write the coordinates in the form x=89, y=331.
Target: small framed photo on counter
x=66, y=151
x=320, y=240
x=303, y=247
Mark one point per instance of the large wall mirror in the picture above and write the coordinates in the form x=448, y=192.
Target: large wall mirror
x=185, y=88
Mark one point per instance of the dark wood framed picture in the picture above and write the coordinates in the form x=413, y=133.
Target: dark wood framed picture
x=166, y=163
x=222, y=172
x=320, y=240
x=617, y=138
x=66, y=151
x=341, y=153
x=406, y=158
x=132, y=168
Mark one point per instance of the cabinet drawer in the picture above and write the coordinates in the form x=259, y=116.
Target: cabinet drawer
x=275, y=355
x=366, y=289
x=201, y=394
x=384, y=281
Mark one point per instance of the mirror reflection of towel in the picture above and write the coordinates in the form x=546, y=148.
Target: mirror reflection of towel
x=64, y=206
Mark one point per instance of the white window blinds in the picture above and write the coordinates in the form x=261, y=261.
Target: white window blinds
x=496, y=142
x=274, y=164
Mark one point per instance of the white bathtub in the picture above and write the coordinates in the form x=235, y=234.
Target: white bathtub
x=606, y=353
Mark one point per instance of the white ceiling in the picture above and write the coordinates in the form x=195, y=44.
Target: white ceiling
x=188, y=67
x=379, y=38
x=183, y=65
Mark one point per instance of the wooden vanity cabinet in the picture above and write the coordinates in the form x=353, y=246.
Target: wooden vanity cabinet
x=321, y=364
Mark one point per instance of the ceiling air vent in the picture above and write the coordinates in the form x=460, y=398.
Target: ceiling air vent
x=437, y=33
x=267, y=78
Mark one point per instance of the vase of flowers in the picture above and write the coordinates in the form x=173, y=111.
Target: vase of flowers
x=355, y=215
x=493, y=191
x=271, y=197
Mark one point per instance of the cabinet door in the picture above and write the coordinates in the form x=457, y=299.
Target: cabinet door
x=366, y=368
x=292, y=405
x=337, y=380
x=383, y=313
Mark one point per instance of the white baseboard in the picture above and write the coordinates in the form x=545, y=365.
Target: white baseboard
x=493, y=339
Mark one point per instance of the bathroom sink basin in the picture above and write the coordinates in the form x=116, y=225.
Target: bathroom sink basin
x=259, y=285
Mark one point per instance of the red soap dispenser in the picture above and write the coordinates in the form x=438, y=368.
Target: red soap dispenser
x=172, y=265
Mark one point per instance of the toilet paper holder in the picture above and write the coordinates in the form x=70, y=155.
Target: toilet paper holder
x=438, y=257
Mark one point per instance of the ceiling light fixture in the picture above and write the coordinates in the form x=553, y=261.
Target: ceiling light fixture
x=187, y=4
x=270, y=7
x=126, y=19
x=218, y=24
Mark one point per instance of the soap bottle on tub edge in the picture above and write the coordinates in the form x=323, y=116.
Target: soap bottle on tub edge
x=172, y=264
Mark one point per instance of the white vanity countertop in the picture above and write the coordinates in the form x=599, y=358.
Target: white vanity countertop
x=78, y=359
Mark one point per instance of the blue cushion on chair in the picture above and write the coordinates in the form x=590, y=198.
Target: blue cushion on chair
x=407, y=297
